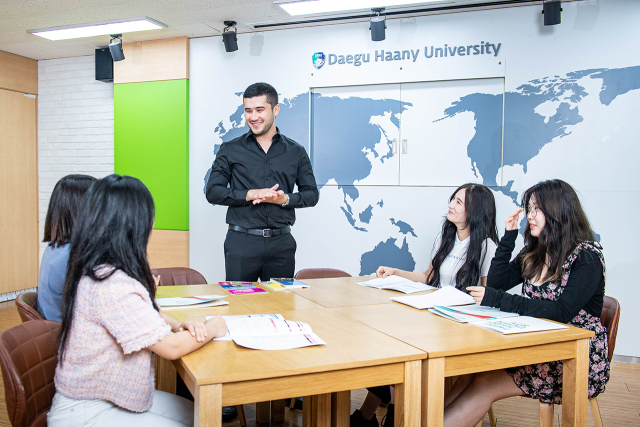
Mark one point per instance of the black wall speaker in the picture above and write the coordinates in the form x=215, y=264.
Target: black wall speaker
x=104, y=65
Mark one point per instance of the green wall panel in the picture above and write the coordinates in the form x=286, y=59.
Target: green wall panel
x=151, y=142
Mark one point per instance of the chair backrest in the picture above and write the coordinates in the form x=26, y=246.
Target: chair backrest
x=27, y=304
x=28, y=357
x=609, y=318
x=320, y=273
x=177, y=276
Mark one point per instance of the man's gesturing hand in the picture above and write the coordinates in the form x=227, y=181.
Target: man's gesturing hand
x=267, y=195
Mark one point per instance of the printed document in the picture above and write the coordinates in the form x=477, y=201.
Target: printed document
x=191, y=302
x=446, y=296
x=270, y=332
x=517, y=325
x=396, y=283
x=470, y=313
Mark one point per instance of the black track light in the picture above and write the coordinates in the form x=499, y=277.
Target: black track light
x=377, y=24
x=551, y=11
x=229, y=36
x=115, y=47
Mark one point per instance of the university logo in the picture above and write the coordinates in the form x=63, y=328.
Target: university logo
x=318, y=59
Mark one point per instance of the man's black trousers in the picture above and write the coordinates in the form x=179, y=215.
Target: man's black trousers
x=248, y=257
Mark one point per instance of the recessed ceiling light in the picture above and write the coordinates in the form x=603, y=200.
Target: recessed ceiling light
x=312, y=7
x=99, y=28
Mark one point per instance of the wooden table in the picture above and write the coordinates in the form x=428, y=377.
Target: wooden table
x=343, y=292
x=223, y=374
x=454, y=349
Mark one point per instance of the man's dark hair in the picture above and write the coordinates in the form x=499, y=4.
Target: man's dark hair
x=259, y=89
x=63, y=208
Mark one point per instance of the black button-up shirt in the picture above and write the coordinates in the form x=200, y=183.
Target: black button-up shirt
x=242, y=165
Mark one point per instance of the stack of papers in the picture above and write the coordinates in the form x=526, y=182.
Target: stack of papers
x=396, y=283
x=235, y=288
x=191, y=302
x=270, y=332
x=470, y=313
x=447, y=296
x=517, y=325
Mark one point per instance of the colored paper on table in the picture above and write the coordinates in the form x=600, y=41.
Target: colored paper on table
x=236, y=288
x=471, y=313
x=274, y=285
x=290, y=283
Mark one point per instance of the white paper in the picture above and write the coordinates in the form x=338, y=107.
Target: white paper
x=517, y=325
x=227, y=337
x=396, y=283
x=447, y=296
x=186, y=301
x=279, y=342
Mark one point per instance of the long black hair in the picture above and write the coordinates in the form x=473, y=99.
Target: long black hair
x=480, y=206
x=566, y=226
x=112, y=229
x=63, y=208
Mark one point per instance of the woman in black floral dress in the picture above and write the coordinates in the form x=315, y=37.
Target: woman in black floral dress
x=562, y=270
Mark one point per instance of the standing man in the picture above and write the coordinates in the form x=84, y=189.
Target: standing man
x=255, y=175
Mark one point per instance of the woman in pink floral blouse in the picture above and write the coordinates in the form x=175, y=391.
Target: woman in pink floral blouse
x=111, y=325
x=562, y=272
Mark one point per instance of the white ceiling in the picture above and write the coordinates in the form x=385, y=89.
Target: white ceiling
x=190, y=18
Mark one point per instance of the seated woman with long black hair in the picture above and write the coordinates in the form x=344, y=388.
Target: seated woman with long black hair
x=111, y=325
x=461, y=258
x=562, y=270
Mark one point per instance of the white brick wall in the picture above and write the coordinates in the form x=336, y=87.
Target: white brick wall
x=75, y=124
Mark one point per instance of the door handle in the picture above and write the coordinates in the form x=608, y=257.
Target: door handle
x=404, y=146
x=394, y=146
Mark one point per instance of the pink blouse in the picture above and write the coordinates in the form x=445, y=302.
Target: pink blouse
x=107, y=355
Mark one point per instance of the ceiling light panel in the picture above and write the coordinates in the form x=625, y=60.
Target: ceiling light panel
x=99, y=29
x=312, y=7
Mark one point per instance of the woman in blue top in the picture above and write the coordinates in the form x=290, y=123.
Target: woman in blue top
x=58, y=228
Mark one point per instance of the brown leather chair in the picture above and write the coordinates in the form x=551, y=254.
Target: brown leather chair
x=178, y=276
x=27, y=304
x=320, y=273
x=28, y=356
x=610, y=317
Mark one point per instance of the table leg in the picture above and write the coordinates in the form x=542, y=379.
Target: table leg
x=208, y=406
x=322, y=410
x=263, y=412
x=408, y=401
x=432, y=392
x=307, y=411
x=575, y=383
x=165, y=375
x=340, y=408
x=277, y=411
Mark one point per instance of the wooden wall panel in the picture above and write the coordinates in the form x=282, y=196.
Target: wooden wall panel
x=168, y=248
x=18, y=191
x=153, y=61
x=18, y=73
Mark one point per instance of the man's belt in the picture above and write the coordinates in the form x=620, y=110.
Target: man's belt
x=264, y=232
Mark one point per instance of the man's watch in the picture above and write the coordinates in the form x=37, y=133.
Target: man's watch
x=287, y=202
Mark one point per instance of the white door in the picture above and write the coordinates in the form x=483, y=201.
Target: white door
x=355, y=135
x=451, y=132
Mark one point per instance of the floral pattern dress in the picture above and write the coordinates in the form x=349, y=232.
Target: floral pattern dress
x=544, y=381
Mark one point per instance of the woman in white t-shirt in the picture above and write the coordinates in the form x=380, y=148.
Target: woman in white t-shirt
x=461, y=257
